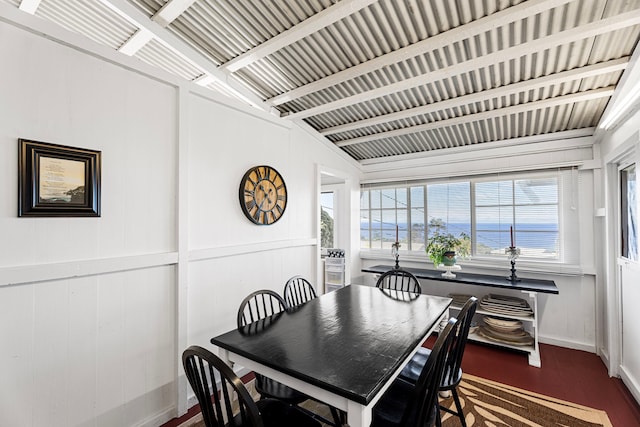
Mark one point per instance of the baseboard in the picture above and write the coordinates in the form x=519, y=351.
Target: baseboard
x=191, y=421
x=604, y=356
x=166, y=415
x=631, y=383
x=590, y=348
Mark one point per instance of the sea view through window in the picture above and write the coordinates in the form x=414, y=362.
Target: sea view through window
x=493, y=211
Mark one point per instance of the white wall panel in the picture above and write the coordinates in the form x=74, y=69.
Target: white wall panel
x=218, y=286
x=99, y=349
x=55, y=94
x=223, y=145
x=95, y=348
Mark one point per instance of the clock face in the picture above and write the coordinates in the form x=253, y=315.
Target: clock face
x=263, y=195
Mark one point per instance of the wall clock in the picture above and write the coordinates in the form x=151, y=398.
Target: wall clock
x=263, y=195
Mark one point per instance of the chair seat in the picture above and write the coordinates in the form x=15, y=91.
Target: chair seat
x=412, y=369
x=390, y=408
x=276, y=413
x=271, y=388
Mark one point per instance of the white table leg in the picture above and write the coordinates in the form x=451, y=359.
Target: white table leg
x=358, y=415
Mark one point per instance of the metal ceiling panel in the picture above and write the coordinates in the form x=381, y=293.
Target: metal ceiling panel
x=385, y=78
x=89, y=18
x=160, y=56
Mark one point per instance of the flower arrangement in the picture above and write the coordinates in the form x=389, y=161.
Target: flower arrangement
x=441, y=243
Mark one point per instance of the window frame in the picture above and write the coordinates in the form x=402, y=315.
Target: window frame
x=419, y=255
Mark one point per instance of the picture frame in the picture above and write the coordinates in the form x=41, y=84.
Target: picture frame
x=57, y=181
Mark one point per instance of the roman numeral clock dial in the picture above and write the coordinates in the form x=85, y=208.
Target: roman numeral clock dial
x=263, y=195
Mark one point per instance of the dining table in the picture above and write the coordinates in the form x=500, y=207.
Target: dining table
x=343, y=348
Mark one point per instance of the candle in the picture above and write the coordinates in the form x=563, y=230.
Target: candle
x=396, y=233
x=511, y=232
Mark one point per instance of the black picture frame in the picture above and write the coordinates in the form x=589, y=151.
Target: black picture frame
x=57, y=181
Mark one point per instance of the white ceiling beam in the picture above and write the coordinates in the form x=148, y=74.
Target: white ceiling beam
x=491, y=114
x=315, y=23
x=171, y=10
x=498, y=19
x=515, y=88
x=585, y=31
x=136, y=42
x=29, y=6
x=127, y=11
x=204, y=80
x=167, y=14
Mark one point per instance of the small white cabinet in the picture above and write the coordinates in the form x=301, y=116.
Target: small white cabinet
x=334, y=270
x=528, y=289
x=530, y=324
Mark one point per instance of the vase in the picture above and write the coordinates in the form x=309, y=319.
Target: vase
x=449, y=258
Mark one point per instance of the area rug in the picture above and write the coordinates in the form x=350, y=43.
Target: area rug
x=489, y=403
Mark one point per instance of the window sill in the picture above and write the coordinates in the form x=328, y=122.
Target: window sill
x=485, y=265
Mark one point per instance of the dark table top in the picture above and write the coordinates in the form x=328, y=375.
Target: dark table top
x=349, y=341
x=535, y=285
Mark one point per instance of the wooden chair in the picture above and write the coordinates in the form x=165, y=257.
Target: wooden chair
x=400, y=295
x=253, y=309
x=453, y=370
x=265, y=306
x=298, y=290
x=399, y=280
x=258, y=305
x=218, y=389
x=415, y=405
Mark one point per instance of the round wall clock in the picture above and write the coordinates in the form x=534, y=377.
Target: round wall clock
x=263, y=195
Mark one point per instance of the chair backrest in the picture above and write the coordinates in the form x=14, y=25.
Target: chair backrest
x=454, y=359
x=298, y=290
x=399, y=280
x=217, y=387
x=258, y=305
x=399, y=295
x=421, y=411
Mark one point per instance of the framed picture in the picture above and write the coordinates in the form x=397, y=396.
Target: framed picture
x=55, y=180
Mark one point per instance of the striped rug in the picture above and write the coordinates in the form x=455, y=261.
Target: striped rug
x=488, y=403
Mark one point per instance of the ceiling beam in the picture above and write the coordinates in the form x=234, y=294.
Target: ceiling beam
x=491, y=114
x=466, y=31
x=127, y=11
x=29, y=6
x=585, y=31
x=167, y=14
x=171, y=10
x=315, y=23
x=136, y=42
x=515, y=88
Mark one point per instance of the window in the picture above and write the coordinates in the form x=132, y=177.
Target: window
x=529, y=207
x=628, y=226
x=327, y=224
x=485, y=208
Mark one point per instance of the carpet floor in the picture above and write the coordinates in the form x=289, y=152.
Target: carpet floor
x=489, y=403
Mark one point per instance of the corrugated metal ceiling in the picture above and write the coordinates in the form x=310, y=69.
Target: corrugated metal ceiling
x=384, y=78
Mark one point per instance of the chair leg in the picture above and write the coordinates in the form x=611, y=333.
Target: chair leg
x=456, y=399
x=338, y=417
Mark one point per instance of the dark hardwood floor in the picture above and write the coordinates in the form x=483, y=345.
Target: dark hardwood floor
x=575, y=376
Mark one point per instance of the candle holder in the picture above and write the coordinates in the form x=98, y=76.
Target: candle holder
x=513, y=253
x=395, y=251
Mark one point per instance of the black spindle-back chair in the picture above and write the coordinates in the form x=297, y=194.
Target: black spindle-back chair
x=399, y=280
x=298, y=290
